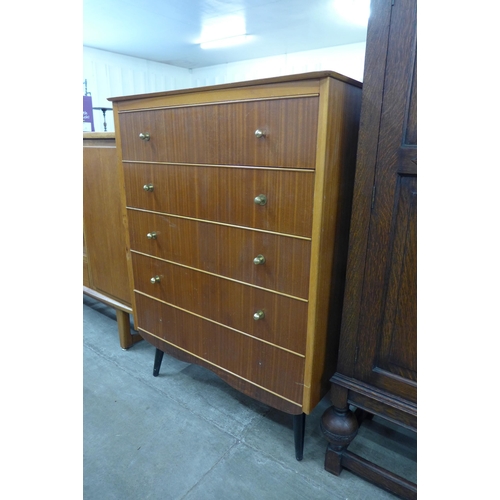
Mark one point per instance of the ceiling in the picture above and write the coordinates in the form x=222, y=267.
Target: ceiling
x=170, y=31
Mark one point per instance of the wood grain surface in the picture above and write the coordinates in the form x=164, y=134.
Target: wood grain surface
x=243, y=356
x=225, y=194
x=206, y=166
x=224, y=250
x=225, y=133
x=225, y=301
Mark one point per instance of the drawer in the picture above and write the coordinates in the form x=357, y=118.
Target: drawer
x=225, y=250
x=224, y=301
x=267, y=366
x=225, y=194
x=224, y=133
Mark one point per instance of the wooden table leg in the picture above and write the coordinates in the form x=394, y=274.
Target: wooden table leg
x=157, y=364
x=126, y=338
x=299, y=427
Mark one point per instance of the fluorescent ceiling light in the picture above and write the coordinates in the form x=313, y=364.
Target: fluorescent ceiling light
x=353, y=11
x=223, y=32
x=225, y=42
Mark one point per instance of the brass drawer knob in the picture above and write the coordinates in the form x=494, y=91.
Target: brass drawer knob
x=155, y=279
x=151, y=236
x=260, y=200
x=144, y=136
x=260, y=133
x=259, y=315
x=148, y=187
x=260, y=259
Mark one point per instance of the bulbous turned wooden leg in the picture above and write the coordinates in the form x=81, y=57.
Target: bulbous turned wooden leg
x=339, y=426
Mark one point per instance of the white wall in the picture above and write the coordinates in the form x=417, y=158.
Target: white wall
x=348, y=60
x=110, y=74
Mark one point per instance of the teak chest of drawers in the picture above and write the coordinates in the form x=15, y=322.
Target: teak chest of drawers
x=237, y=202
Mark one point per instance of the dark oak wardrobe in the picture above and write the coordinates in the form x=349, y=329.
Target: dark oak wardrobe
x=377, y=365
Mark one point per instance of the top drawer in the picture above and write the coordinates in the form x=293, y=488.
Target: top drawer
x=225, y=133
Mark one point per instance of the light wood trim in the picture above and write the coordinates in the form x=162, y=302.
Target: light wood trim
x=95, y=140
x=220, y=324
x=221, y=368
x=98, y=135
x=207, y=96
x=220, y=276
x=274, y=82
x=105, y=299
x=248, y=167
x=215, y=103
x=221, y=224
x=121, y=180
x=317, y=242
x=339, y=108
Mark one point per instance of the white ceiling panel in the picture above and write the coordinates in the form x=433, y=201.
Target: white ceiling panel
x=169, y=31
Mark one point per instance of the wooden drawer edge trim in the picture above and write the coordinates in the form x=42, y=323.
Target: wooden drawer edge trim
x=247, y=167
x=220, y=368
x=306, y=238
x=99, y=135
x=109, y=301
x=217, y=102
x=222, y=277
x=219, y=324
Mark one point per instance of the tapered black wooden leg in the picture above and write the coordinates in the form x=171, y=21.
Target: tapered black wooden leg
x=299, y=427
x=158, y=358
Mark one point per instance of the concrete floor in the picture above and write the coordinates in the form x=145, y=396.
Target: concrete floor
x=187, y=435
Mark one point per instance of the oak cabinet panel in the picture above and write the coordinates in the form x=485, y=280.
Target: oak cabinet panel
x=377, y=366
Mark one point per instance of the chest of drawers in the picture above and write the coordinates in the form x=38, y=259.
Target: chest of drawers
x=237, y=204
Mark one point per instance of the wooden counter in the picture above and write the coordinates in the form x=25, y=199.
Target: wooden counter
x=105, y=275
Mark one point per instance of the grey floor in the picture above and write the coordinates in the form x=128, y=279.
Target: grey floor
x=187, y=435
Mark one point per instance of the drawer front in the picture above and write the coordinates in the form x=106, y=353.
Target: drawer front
x=224, y=301
x=224, y=133
x=267, y=366
x=224, y=250
x=225, y=194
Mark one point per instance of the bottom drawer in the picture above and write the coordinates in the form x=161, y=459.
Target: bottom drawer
x=273, y=369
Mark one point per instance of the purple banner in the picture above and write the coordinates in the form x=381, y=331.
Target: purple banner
x=88, y=115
